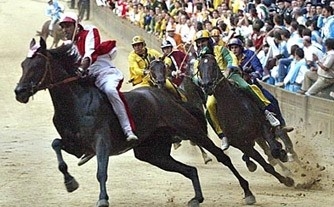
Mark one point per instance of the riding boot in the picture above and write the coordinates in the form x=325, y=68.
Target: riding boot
x=225, y=143
x=271, y=118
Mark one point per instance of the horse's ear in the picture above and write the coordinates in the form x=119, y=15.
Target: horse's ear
x=42, y=43
x=32, y=43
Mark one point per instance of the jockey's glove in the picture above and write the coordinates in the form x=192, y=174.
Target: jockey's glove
x=82, y=73
x=146, y=72
x=176, y=73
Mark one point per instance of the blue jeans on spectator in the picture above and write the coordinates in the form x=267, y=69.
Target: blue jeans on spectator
x=283, y=68
x=293, y=87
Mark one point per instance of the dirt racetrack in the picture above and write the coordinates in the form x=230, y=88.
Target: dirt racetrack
x=28, y=166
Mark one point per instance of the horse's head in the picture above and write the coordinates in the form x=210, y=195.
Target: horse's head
x=37, y=68
x=158, y=72
x=209, y=73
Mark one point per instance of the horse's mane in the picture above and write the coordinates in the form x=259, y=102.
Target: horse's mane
x=68, y=54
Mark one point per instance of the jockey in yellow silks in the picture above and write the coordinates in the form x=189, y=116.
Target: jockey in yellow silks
x=139, y=61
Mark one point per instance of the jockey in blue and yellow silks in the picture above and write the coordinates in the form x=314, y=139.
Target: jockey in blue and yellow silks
x=252, y=70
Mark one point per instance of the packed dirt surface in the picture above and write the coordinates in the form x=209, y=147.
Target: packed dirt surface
x=29, y=174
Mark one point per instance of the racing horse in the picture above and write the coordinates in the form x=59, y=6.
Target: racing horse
x=158, y=72
x=239, y=116
x=87, y=124
x=196, y=98
x=57, y=33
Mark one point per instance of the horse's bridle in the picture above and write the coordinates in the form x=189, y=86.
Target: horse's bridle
x=39, y=85
x=215, y=81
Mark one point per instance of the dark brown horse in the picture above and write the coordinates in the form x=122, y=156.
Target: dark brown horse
x=158, y=74
x=87, y=124
x=57, y=33
x=239, y=116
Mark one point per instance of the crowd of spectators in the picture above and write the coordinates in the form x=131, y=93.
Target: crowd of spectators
x=294, y=39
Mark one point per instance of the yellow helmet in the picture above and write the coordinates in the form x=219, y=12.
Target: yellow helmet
x=215, y=32
x=202, y=34
x=137, y=39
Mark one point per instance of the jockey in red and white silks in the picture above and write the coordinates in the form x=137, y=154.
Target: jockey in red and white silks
x=97, y=59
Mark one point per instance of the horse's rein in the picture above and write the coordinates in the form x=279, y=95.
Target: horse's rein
x=48, y=70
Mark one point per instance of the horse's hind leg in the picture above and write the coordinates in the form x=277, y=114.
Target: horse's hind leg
x=207, y=144
x=158, y=154
x=253, y=153
x=70, y=183
x=205, y=156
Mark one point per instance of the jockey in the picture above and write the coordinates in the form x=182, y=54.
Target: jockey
x=227, y=61
x=176, y=60
x=54, y=11
x=252, y=70
x=139, y=60
x=96, y=61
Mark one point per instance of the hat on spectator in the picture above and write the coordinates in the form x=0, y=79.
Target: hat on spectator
x=202, y=34
x=166, y=44
x=288, y=1
x=69, y=17
x=137, y=39
x=170, y=29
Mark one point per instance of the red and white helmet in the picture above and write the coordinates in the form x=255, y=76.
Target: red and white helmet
x=69, y=17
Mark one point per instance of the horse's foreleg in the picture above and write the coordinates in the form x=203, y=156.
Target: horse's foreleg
x=70, y=183
x=276, y=147
x=264, y=146
x=102, y=155
x=253, y=153
x=283, y=135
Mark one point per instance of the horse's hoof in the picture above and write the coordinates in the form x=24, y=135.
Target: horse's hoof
x=251, y=166
x=290, y=157
x=71, y=185
x=289, y=182
x=193, y=203
x=102, y=203
x=207, y=160
x=250, y=200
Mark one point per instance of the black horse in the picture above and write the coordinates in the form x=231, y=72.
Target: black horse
x=194, y=95
x=240, y=118
x=87, y=124
x=196, y=98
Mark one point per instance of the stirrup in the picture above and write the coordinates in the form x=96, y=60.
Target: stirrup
x=85, y=158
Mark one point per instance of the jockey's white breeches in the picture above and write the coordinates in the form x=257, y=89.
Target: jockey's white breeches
x=109, y=80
